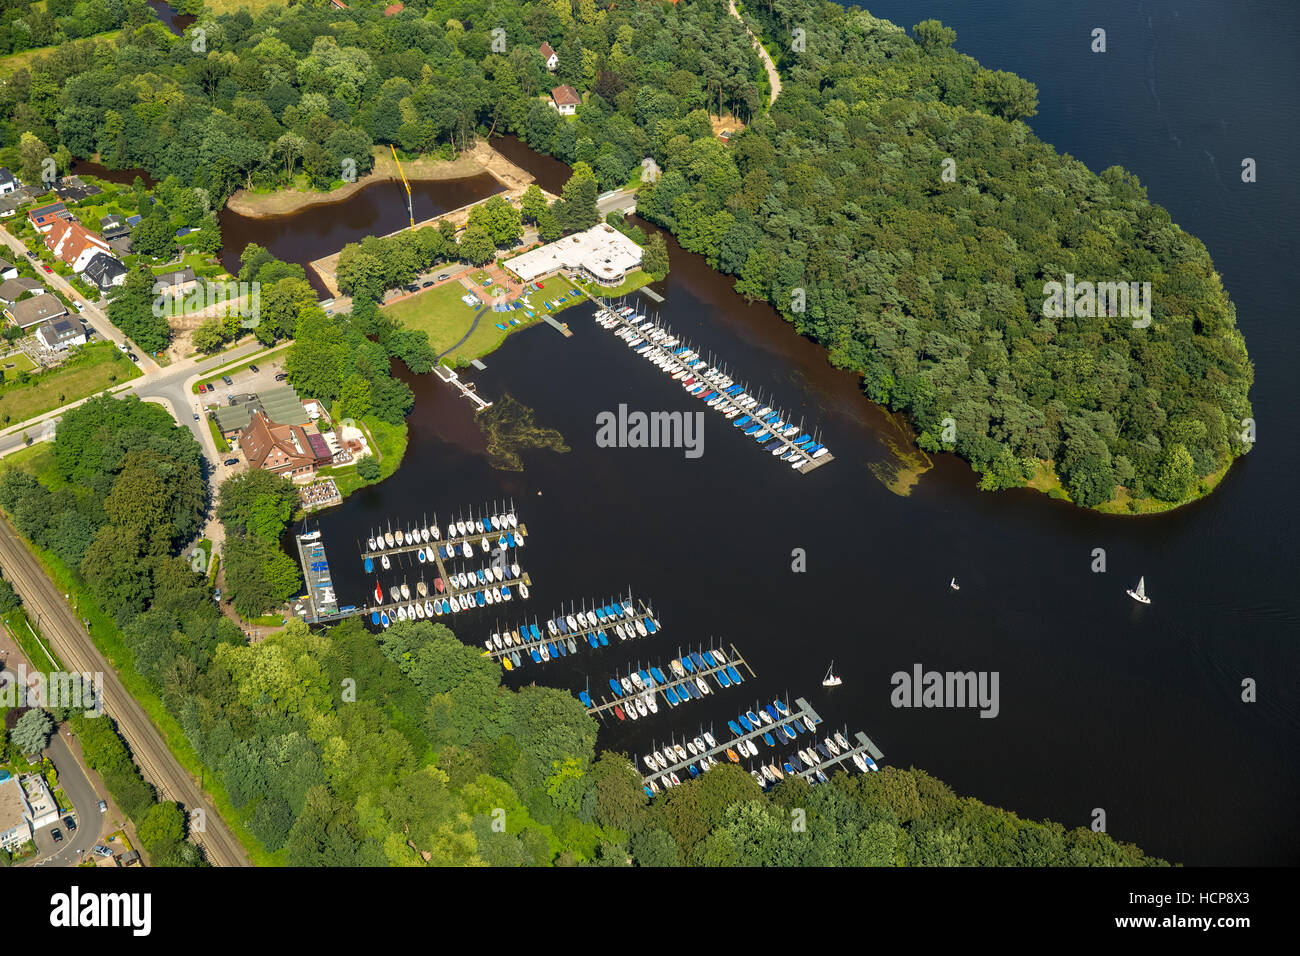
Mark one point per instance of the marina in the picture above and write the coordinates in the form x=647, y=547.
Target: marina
x=566, y=632
x=685, y=678
x=775, y=725
x=704, y=380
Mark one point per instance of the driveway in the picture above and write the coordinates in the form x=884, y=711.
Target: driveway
x=85, y=805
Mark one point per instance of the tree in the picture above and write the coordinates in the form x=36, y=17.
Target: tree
x=32, y=731
x=162, y=828
x=259, y=576
x=368, y=468
x=9, y=598
x=933, y=35
x=654, y=258
x=354, y=397
x=532, y=203
x=152, y=236
x=476, y=245
x=1177, y=471
x=257, y=502
x=576, y=208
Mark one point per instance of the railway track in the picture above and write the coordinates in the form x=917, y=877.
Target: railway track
x=73, y=645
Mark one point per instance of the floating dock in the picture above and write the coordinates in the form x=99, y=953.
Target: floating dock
x=543, y=643
x=656, y=342
x=321, y=600
x=606, y=705
x=467, y=390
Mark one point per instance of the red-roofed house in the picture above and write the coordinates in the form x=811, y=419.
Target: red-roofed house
x=393, y=9
x=565, y=99
x=550, y=56
x=285, y=450
x=75, y=244
x=46, y=216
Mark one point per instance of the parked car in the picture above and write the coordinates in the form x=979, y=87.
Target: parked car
x=56, y=835
x=100, y=850
x=253, y=369
x=196, y=416
x=30, y=254
x=202, y=388
x=228, y=380
x=103, y=807
x=426, y=284
x=443, y=275
x=231, y=462
x=132, y=356
x=71, y=824
x=281, y=377
x=46, y=267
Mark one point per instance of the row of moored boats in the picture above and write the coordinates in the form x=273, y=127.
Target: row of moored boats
x=619, y=618
x=714, y=387
x=638, y=691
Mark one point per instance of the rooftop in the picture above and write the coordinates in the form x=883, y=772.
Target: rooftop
x=602, y=251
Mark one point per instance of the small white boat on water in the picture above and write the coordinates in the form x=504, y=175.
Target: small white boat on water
x=709, y=738
x=384, y=562
x=1139, y=593
x=406, y=591
x=831, y=679
x=523, y=590
x=954, y=585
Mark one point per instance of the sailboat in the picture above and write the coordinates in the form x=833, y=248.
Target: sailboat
x=954, y=585
x=831, y=680
x=1139, y=593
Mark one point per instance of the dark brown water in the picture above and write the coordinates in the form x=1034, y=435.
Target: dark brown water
x=322, y=229
x=176, y=22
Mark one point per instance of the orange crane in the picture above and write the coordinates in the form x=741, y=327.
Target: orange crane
x=410, y=210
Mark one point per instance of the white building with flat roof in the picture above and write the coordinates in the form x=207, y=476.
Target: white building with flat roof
x=601, y=253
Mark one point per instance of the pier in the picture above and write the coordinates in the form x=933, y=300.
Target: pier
x=321, y=600
x=605, y=705
x=864, y=746
x=801, y=708
x=636, y=330
x=520, y=643
x=467, y=390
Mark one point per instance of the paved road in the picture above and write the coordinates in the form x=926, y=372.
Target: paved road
x=78, y=652
x=92, y=313
x=85, y=801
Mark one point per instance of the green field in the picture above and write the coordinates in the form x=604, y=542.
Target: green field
x=16, y=362
x=95, y=368
x=446, y=319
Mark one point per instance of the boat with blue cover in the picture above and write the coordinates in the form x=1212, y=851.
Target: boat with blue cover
x=650, y=624
x=585, y=698
x=591, y=639
x=721, y=678
x=744, y=722
x=767, y=739
x=532, y=652
x=733, y=674
x=374, y=617
x=735, y=727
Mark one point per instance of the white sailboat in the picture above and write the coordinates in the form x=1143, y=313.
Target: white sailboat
x=954, y=585
x=1139, y=593
x=831, y=679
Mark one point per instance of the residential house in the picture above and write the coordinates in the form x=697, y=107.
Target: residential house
x=105, y=272
x=549, y=57
x=565, y=99
x=112, y=226
x=61, y=334
x=11, y=290
x=43, y=217
x=35, y=310
x=8, y=270
x=285, y=450
x=8, y=181
x=74, y=244
x=393, y=9
x=15, y=822
x=44, y=808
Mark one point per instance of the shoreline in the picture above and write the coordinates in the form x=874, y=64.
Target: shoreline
x=281, y=202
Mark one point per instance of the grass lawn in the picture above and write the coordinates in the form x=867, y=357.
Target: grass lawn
x=16, y=362
x=16, y=61
x=446, y=319
x=217, y=439
x=95, y=368
x=390, y=443
x=635, y=281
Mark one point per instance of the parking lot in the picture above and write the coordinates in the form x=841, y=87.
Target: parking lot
x=246, y=380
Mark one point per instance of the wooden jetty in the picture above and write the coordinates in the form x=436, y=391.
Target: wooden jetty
x=641, y=611
x=635, y=322
x=606, y=704
x=321, y=601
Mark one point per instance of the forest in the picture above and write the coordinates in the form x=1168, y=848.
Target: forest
x=833, y=205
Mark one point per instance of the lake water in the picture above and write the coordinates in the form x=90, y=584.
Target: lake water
x=1103, y=703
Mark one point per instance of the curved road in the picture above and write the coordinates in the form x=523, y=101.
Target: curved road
x=78, y=653
x=773, y=77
